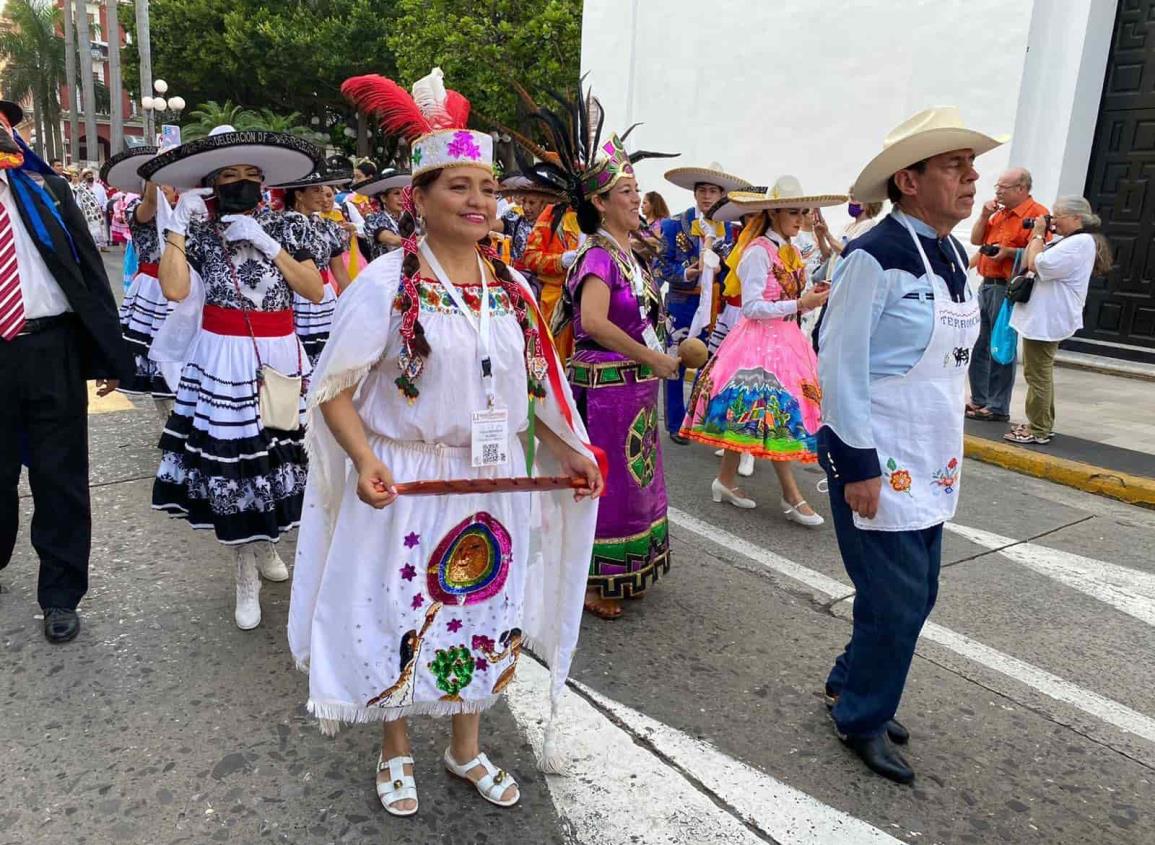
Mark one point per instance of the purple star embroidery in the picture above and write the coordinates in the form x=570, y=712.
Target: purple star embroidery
x=418, y=600
x=454, y=626
x=482, y=643
x=482, y=665
x=408, y=572
x=412, y=539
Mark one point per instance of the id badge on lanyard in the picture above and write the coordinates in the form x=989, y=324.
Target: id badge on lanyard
x=489, y=429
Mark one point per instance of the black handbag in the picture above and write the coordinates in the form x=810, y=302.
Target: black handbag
x=1019, y=288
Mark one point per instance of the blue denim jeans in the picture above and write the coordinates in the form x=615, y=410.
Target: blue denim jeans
x=895, y=575
x=991, y=382
x=681, y=310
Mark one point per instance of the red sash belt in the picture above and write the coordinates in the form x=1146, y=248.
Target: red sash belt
x=233, y=322
x=326, y=276
x=148, y=269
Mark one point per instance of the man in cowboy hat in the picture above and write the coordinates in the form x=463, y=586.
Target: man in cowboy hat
x=58, y=327
x=679, y=267
x=892, y=361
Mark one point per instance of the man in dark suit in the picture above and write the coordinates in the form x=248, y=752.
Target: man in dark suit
x=58, y=327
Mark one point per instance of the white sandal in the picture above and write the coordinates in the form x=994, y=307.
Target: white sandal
x=492, y=785
x=399, y=787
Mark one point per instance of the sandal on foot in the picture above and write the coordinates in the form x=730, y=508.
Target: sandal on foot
x=400, y=786
x=603, y=611
x=492, y=785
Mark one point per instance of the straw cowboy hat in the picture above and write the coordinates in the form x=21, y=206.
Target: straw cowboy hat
x=785, y=193
x=712, y=174
x=726, y=210
x=931, y=132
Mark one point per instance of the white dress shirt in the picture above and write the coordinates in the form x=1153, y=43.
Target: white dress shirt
x=1062, y=276
x=42, y=295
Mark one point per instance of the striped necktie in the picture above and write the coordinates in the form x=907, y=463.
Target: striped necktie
x=11, y=299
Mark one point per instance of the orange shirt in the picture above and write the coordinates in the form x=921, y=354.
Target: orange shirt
x=1005, y=228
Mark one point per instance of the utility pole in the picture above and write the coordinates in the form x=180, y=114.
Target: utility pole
x=144, y=46
x=70, y=72
x=92, y=140
x=115, y=88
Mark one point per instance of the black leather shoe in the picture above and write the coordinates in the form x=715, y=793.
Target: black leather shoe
x=60, y=625
x=880, y=757
x=679, y=439
x=897, y=732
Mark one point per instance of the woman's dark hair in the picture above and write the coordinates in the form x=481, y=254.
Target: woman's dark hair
x=407, y=225
x=658, y=208
x=368, y=168
x=291, y=195
x=588, y=217
x=892, y=192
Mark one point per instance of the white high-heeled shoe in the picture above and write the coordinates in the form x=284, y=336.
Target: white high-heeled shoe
x=247, y=614
x=721, y=493
x=746, y=465
x=810, y=520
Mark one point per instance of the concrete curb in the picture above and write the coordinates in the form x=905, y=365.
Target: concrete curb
x=1132, y=489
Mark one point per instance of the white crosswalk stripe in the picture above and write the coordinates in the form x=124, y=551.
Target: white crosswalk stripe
x=622, y=792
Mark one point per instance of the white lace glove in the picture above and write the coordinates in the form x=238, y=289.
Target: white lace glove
x=568, y=258
x=245, y=228
x=191, y=204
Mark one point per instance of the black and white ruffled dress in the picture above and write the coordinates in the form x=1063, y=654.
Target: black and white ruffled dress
x=376, y=223
x=220, y=468
x=314, y=319
x=144, y=309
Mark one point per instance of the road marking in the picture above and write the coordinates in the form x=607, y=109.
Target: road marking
x=622, y=792
x=1125, y=589
x=1102, y=708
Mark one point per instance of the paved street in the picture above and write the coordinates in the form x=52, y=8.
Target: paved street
x=696, y=718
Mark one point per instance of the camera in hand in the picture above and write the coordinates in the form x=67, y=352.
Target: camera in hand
x=989, y=250
x=1029, y=222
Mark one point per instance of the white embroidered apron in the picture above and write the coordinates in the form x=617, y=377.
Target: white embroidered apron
x=917, y=418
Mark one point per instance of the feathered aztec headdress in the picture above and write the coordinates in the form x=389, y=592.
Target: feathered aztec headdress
x=584, y=165
x=433, y=119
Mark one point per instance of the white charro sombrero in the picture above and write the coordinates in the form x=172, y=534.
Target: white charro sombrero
x=727, y=211
x=931, y=132
x=785, y=193
x=120, y=170
x=712, y=174
x=386, y=180
x=281, y=157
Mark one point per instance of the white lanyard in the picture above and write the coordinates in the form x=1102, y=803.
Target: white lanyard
x=482, y=327
x=922, y=253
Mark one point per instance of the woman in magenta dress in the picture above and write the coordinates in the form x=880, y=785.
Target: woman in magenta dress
x=759, y=394
x=619, y=358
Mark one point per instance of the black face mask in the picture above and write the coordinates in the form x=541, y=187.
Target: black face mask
x=238, y=197
x=7, y=142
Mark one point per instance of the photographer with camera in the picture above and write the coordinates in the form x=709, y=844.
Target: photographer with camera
x=1054, y=310
x=999, y=234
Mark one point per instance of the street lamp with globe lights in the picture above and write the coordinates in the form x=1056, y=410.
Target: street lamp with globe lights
x=158, y=106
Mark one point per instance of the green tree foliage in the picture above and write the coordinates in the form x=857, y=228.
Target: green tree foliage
x=482, y=45
x=33, y=57
x=203, y=119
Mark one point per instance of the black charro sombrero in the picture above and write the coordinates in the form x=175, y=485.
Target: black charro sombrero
x=120, y=171
x=323, y=174
x=386, y=180
x=12, y=111
x=281, y=157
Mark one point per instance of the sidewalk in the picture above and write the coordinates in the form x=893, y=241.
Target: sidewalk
x=1104, y=436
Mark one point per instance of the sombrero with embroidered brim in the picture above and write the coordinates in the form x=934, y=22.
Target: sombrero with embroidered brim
x=386, y=180
x=931, y=132
x=726, y=211
x=712, y=174
x=120, y=171
x=281, y=157
x=785, y=193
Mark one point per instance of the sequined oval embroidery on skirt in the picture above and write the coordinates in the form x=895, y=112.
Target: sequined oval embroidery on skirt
x=471, y=563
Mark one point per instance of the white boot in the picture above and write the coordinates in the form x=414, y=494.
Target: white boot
x=248, y=611
x=269, y=563
x=746, y=465
x=163, y=409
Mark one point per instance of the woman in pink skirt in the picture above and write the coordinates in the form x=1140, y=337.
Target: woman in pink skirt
x=759, y=394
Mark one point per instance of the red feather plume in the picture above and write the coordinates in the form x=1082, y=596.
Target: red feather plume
x=390, y=103
x=458, y=109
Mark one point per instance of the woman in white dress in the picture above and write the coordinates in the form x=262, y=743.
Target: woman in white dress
x=233, y=273
x=436, y=369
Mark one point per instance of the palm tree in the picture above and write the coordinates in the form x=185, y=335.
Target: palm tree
x=87, y=81
x=273, y=122
x=116, y=112
x=70, y=71
x=34, y=65
x=202, y=120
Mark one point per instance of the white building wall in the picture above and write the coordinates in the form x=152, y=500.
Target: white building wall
x=811, y=88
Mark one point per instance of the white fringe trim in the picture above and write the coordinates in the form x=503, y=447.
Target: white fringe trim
x=333, y=714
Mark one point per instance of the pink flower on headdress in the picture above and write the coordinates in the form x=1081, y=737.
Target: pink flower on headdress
x=407, y=200
x=463, y=146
